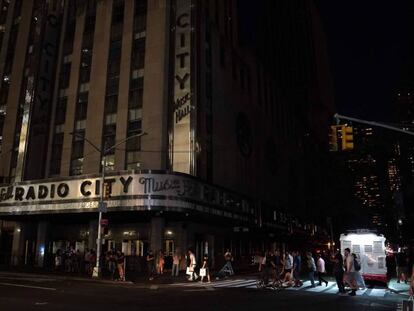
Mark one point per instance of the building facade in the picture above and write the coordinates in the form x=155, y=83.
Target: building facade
x=226, y=122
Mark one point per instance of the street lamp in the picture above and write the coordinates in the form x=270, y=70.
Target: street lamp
x=96, y=269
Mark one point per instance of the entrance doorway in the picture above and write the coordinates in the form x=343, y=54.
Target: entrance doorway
x=6, y=242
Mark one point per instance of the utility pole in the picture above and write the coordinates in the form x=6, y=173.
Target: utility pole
x=339, y=117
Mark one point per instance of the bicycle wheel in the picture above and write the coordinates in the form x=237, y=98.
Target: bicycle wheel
x=260, y=284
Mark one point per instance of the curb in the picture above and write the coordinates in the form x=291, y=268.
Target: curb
x=61, y=277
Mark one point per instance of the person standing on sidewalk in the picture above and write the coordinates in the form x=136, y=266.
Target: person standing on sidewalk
x=161, y=262
x=320, y=265
x=58, y=260
x=110, y=258
x=150, y=265
x=176, y=264
x=349, y=277
x=120, y=261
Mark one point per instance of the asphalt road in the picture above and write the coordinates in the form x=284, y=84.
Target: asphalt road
x=26, y=292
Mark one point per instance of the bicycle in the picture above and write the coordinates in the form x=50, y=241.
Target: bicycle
x=263, y=281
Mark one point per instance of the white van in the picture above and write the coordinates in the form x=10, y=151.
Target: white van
x=370, y=249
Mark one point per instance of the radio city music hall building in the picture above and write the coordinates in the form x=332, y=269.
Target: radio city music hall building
x=224, y=98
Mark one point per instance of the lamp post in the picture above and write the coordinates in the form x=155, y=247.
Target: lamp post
x=96, y=269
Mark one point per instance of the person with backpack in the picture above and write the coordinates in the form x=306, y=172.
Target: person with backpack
x=310, y=262
x=358, y=277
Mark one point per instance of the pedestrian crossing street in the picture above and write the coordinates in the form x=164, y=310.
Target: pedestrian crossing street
x=251, y=284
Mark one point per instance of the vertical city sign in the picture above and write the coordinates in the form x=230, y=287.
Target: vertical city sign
x=182, y=119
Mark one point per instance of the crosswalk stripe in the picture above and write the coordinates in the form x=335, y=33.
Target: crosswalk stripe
x=376, y=292
x=305, y=284
x=189, y=284
x=332, y=290
x=318, y=289
x=361, y=292
x=251, y=284
x=247, y=283
x=228, y=283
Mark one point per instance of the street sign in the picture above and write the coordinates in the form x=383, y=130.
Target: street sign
x=102, y=207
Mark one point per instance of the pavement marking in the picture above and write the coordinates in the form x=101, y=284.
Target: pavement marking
x=318, y=289
x=154, y=287
x=250, y=283
x=36, y=280
x=229, y=283
x=305, y=284
x=377, y=292
x=246, y=283
x=361, y=292
x=27, y=286
x=332, y=290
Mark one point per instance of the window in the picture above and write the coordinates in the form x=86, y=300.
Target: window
x=82, y=106
x=80, y=125
x=112, y=86
x=110, y=119
x=111, y=103
x=135, y=98
x=85, y=67
x=55, y=161
x=78, y=144
x=138, y=54
x=133, y=160
x=109, y=137
x=110, y=163
x=76, y=167
x=64, y=76
x=140, y=15
x=118, y=11
x=134, y=114
x=61, y=110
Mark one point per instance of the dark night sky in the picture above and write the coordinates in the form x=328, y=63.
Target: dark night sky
x=370, y=44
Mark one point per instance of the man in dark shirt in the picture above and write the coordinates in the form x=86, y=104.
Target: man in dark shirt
x=268, y=267
x=297, y=264
x=402, y=263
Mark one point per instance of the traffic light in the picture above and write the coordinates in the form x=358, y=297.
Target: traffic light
x=347, y=137
x=107, y=192
x=333, y=138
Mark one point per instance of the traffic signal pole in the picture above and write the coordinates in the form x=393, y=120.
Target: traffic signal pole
x=102, y=208
x=97, y=269
x=339, y=117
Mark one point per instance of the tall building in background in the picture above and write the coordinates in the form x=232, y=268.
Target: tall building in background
x=235, y=101
x=368, y=168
